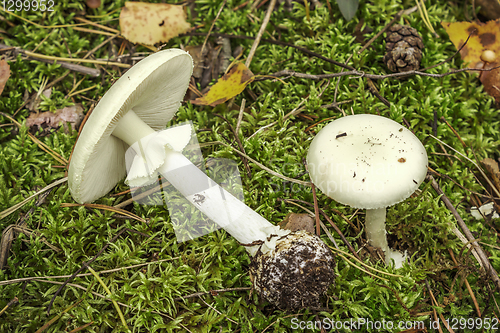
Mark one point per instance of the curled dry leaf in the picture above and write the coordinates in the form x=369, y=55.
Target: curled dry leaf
x=491, y=82
x=296, y=222
x=489, y=8
x=4, y=73
x=493, y=169
x=198, y=59
x=152, y=23
x=93, y=3
x=47, y=121
x=228, y=86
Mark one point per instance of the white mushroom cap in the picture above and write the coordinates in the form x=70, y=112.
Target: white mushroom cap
x=367, y=161
x=154, y=89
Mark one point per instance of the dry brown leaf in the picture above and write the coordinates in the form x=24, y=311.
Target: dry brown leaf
x=48, y=121
x=295, y=222
x=152, y=23
x=4, y=73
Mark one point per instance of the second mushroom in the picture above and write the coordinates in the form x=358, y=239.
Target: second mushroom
x=368, y=162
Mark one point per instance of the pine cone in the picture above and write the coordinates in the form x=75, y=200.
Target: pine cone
x=404, y=48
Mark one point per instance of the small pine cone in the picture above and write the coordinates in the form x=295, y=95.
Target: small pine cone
x=404, y=48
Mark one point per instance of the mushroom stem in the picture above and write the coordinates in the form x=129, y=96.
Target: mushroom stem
x=375, y=228
x=377, y=236
x=239, y=220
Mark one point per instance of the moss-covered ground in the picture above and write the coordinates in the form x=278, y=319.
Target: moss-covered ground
x=153, y=292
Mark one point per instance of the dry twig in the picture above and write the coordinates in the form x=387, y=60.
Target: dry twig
x=240, y=116
x=212, y=26
x=337, y=230
x=276, y=42
x=260, y=33
x=11, y=302
x=74, y=67
x=361, y=74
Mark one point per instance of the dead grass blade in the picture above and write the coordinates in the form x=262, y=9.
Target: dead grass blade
x=90, y=61
x=119, y=303
x=11, y=302
x=105, y=287
x=8, y=236
x=53, y=320
x=12, y=209
x=29, y=232
x=9, y=233
x=119, y=269
x=5, y=244
x=108, y=208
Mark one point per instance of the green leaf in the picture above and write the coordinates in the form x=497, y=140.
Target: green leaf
x=348, y=8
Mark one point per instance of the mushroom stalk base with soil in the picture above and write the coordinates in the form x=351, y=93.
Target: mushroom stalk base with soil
x=375, y=228
x=289, y=269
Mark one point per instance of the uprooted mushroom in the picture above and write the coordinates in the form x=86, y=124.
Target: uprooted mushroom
x=289, y=269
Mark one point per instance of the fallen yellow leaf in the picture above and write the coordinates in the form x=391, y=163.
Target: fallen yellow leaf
x=228, y=86
x=481, y=51
x=483, y=36
x=152, y=23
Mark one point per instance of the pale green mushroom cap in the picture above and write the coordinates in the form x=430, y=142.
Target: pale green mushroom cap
x=154, y=89
x=367, y=161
